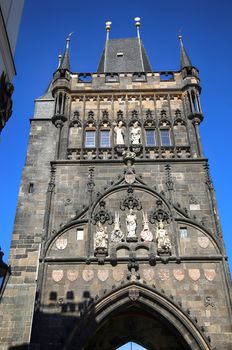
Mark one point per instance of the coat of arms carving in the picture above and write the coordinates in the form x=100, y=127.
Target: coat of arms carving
x=72, y=275
x=57, y=275
x=103, y=275
x=179, y=274
x=203, y=242
x=148, y=274
x=133, y=294
x=87, y=275
x=194, y=274
x=118, y=275
x=61, y=243
x=210, y=274
x=164, y=274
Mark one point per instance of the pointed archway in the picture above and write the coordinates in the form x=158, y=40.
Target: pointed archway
x=138, y=313
x=131, y=346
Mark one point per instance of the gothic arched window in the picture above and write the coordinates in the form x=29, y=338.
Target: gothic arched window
x=165, y=133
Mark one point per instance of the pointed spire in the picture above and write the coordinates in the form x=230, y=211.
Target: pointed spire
x=184, y=58
x=65, y=63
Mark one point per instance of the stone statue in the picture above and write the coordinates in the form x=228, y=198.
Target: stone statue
x=135, y=134
x=117, y=235
x=101, y=237
x=164, y=243
x=131, y=224
x=119, y=133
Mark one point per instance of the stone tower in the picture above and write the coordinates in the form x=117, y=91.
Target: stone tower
x=117, y=236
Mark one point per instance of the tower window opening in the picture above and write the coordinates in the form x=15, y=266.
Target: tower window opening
x=195, y=102
x=165, y=137
x=150, y=137
x=105, y=138
x=90, y=139
x=31, y=187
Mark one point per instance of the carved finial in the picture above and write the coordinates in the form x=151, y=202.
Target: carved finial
x=137, y=24
x=108, y=26
x=68, y=40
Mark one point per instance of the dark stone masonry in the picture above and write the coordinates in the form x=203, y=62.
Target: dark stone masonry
x=117, y=236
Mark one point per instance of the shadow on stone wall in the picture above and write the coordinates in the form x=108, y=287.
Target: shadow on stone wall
x=54, y=323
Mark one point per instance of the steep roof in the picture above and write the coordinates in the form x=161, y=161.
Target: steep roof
x=124, y=55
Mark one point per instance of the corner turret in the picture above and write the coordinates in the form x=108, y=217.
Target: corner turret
x=185, y=63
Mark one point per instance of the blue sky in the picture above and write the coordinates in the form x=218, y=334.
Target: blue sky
x=207, y=31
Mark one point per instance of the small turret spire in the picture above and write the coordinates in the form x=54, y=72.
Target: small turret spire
x=184, y=58
x=59, y=60
x=108, y=26
x=65, y=63
x=137, y=24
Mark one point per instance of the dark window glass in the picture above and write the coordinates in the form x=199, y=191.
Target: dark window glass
x=165, y=137
x=150, y=137
x=90, y=139
x=105, y=138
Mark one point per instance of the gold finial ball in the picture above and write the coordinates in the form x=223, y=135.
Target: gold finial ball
x=108, y=25
x=137, y=21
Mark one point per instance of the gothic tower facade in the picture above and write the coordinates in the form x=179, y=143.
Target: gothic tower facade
x=117, y=236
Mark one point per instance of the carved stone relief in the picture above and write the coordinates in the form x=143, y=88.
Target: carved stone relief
x=87, y=275
x=203, y=242
x=117, y=235
x=72, y=275
x=146, y=235
x=210, y=274
x=57, y=275
x=103, y=275
x=179, y=274
x=194, y=274
x=162, y=239
x=101, y=238
x=61, y=243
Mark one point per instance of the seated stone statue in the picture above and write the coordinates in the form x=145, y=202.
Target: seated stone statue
x=162, y=239
x=101, y=237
